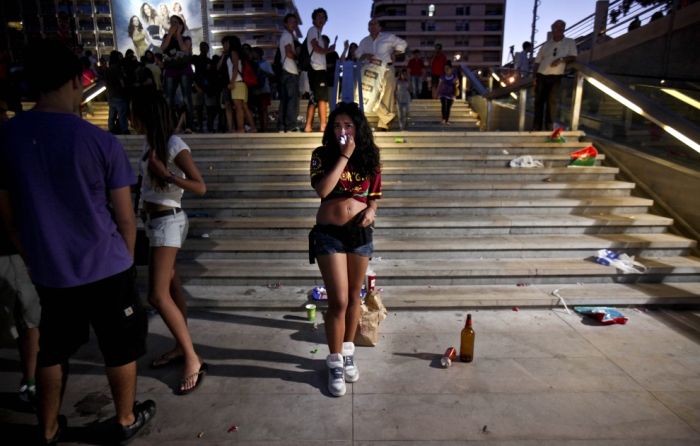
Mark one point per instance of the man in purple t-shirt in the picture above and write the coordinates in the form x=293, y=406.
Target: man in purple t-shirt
x=58, y=175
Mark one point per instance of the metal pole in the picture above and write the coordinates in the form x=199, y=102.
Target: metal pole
x=536, y=3
x=576, y=103
x=522, y=103
x=489, y=114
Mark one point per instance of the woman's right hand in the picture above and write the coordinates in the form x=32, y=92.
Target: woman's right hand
x=347, y=145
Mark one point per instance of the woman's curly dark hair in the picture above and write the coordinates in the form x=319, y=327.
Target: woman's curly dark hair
x=365, y=158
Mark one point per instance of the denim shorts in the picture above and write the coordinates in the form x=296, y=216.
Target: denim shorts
x=325, y=244
x=169, y=230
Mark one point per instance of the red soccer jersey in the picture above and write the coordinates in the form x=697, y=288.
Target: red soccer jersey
x=350, y=185
x=438, y=65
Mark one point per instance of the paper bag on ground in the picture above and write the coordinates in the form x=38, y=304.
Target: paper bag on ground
x=373, y=312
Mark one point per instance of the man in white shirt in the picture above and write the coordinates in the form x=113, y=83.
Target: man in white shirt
x=379, y=46
x=317, y=76
x=550, y=64
x=289, y=78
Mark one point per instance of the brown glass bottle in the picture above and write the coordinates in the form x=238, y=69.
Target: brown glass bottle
x=466, y=346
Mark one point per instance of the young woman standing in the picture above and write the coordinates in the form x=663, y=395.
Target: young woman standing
x=346, y=174
x=167, y=169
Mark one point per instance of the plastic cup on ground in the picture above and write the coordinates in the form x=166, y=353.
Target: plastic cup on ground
x=311, y=312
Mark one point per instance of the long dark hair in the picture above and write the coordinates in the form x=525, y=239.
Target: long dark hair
x=150, y=111
x=365, y=159
x=132, y=28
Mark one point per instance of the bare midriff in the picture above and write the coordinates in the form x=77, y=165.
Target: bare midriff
x=339, y=211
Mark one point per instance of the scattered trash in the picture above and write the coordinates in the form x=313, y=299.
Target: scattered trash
x=319, y=293
x=505, y=152
x=525, y=161
x=399, y=140
x=233, y=428
x=311, y=312
x=556, y=135
x=604, y=315
x=211, y=167
x=274, y=286
x=485, y=429
x=523, y=284
x=205, y=235
x=373, y=312
x=516, y=309
x=314, y=350
x=447, y=357
x=584, y=157
x=561, y=299
x=200, y=435
x=547, y=180
x=622, y=262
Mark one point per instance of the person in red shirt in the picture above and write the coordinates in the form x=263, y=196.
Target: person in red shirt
x=437, y=68
x=415, y=71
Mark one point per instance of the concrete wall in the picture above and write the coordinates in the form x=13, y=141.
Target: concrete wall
x=667, y=183
x=664, y=48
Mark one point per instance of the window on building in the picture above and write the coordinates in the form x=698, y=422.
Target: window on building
x=492, y=25
x=462, y=41
x=257, y=4
x=428, y=25
x=492, y=40
x=431, y=10
x=491, y=56
x=461, y=25
x=393, y=26
x=237, y=5
x=427, y=42
x=494, y=9
x=462, y=10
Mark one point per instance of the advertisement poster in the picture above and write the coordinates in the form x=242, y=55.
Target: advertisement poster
x=141, y=25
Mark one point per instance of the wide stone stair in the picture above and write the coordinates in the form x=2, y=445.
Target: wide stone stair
x=456, y=227
x=424, y=115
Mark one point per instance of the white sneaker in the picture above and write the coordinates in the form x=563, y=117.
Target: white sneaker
x=336, y=381
x=352, y=373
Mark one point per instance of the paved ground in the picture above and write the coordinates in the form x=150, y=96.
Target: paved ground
x=540, y=377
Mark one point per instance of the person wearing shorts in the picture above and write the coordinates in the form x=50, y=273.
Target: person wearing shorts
x=346, y=174
x=56, y=192
x=318, y=49
x=167, y=170
x=19, y=303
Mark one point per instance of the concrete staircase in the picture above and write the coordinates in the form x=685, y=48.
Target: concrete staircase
x=424, y=115
x=456, y=226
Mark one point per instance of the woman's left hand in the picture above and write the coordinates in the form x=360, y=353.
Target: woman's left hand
x=366, y=217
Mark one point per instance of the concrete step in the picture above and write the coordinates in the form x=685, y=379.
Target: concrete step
x=444, y=272
x=279, y=295
x=413, y=207
x=418, y=172
x=390, y=246
x=456, y=225
x=432, y=188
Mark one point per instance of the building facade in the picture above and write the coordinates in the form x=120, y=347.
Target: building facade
x=470, y=31
x=91, y=22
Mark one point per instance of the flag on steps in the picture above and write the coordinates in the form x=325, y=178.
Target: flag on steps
x=584, y=157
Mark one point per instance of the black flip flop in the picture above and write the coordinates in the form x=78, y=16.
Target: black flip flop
x=203, y=369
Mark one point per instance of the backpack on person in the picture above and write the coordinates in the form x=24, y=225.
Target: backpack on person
x=249, y=74
x=304, y=59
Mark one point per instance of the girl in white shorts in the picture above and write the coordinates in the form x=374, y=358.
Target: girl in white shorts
x=168, y=170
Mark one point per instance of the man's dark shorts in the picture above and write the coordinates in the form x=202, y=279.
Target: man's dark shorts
x=319, y=88
x=110, y=305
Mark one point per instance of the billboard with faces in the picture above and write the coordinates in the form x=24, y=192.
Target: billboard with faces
x=141, y=25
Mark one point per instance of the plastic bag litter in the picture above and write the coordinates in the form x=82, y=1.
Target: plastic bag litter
x=373, y=312
x=604, y=315
x=584, y=158
x=556, y=135
x=525, y=161
x=622, y=262
x=319, y=293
